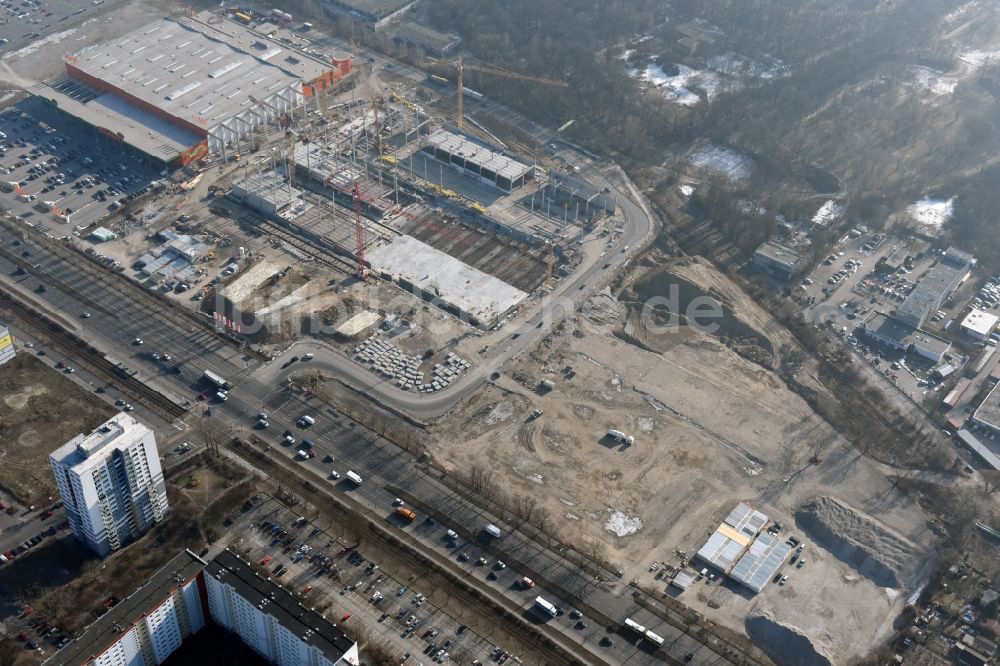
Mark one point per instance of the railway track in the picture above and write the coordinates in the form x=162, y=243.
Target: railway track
x=54, y=335
x=163, y=306
x=321, y=254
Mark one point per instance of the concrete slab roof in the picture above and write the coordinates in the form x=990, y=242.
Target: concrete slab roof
x=469, y=289
x=105, y=631
x=942, y=279
x=979, y=322
x=779, y=253
x=186, y=73
x=479, y=154
x=314, y=629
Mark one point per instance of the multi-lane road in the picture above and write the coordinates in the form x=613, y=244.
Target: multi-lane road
x=121, y=316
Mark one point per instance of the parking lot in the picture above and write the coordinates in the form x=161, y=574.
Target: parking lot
x=327, y=571
x=24, y=21
x=55, y=172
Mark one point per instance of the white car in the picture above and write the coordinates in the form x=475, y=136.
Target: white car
x=137, y=341
x=334, y=474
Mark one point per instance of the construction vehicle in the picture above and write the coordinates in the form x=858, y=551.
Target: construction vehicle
x=389, y=159
x=496, y=71
x=478, y=207
x=399, y=99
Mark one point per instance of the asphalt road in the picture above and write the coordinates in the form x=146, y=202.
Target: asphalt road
x=527, y=329
x=117, y=318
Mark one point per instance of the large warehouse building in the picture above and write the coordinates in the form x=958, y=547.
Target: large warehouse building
x=178, y=89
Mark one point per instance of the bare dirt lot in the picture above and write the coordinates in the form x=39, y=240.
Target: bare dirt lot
x=711, y=428
x=40, y=410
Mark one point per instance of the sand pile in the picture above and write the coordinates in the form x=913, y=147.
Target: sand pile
x=885, y=557
x=783, y=643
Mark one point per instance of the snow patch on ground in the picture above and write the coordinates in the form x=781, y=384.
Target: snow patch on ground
x=725, y=73
x=621, y=524
x=687, y=190
x=829, y=212
x=932, y=212
x=626, y=54
x=934, y=82
x=536, y=478
x=500, y=412
x=673, y=87
x=724, y=161
x=38, y=45
x=956, y=14
x=979, y=59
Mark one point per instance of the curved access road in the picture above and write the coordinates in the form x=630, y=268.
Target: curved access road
x=526, y=330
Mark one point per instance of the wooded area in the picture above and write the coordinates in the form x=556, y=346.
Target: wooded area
x=837, y=123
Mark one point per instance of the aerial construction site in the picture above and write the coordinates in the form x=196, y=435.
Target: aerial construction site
x=352, y=297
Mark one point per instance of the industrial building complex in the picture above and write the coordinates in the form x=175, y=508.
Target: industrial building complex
x=176, y=90
x=739, y=548
x=902, y=329
x=935, y=287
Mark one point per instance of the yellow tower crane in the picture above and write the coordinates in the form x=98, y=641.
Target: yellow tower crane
x=496, y=71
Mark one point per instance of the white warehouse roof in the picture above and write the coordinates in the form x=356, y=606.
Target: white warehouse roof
x=762, y=560
x=183, y=72
x=731, y=539
x=980, y=323
x=721, y=551
x=746, y=520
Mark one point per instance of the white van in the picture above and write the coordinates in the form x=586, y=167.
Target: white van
x=307, y=421
x=354, y=478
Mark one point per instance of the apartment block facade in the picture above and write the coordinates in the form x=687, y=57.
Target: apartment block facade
x=111, y=483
